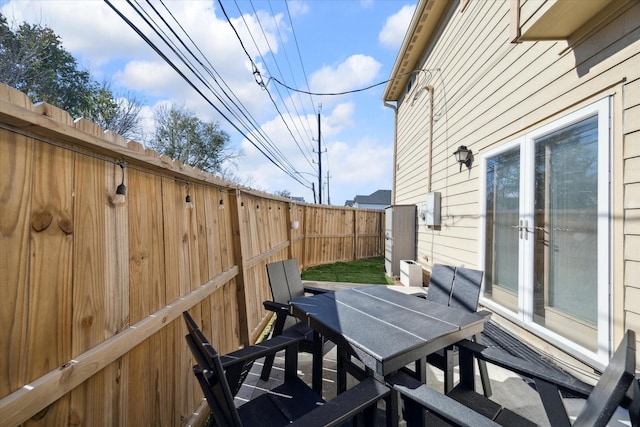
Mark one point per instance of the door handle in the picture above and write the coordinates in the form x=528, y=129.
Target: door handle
x=523, y=228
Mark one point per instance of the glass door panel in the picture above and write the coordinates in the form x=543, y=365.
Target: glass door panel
x=566, y=232
x=502, y=228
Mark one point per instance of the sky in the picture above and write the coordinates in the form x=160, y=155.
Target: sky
x=265, y=70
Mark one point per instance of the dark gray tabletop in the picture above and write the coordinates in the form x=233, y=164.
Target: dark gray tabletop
x=384, y=328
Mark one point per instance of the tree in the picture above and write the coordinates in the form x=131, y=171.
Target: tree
x=33, y=61
x=283, y=193
x=117, y=113
x=182, y=136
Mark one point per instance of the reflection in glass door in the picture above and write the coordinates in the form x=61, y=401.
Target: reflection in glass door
x=502, y=216
x=566, y=231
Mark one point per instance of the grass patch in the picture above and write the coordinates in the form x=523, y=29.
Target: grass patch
x=370, y=270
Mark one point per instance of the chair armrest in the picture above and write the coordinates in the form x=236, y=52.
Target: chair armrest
x=437, y=403
x=345, y=406
x=314, y=290
x=484, y=313
x=276, y=307
x=261, y=349
x=520, y=366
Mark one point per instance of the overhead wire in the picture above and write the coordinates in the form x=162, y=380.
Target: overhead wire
x=261, y=83
x=267, y=144
x=259, y=146
x=257, y=72
x=286, y=56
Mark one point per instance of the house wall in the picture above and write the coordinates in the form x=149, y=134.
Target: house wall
x=488, y=91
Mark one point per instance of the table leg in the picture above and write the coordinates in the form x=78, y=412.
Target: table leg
x=316, y=369
x=467, y=376
x=449, y=361
x=393, y=409
x=421, y=370
x=341, y=374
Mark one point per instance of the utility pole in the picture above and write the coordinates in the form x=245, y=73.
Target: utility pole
x=319, y=159
x=328, y=195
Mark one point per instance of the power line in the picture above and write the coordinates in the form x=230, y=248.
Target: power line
x=256, y=73
x=329, y=93
x=291, y=173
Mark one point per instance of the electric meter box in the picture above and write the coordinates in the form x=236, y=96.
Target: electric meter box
x=432, y=211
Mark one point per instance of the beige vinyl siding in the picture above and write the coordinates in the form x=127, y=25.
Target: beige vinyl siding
x=631, y=174
x=488, y=92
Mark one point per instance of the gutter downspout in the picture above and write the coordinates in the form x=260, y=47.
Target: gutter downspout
x=395, y=149
x=430, y=90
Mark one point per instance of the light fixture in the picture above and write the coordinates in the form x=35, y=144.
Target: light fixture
x=464, y=156
x=121, y=190
x=188, y=198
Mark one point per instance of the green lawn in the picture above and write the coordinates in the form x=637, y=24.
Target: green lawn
x=370, y=270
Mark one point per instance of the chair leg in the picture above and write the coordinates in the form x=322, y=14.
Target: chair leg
x=278, y=327
x=484, y=378
x=266, y=368
x=482, y=368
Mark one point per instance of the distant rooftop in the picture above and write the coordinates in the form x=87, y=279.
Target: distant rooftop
x=376, y=200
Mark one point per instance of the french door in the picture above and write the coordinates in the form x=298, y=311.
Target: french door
x=546, y=229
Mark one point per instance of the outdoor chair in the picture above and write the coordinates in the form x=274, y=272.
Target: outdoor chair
x=459, y=288
x=617, y=387
x=285, y=283
x=291, y=403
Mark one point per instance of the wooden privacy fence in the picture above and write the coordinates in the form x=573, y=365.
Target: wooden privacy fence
x=93, y=283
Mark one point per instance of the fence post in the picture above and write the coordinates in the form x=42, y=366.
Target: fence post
x=239, y=232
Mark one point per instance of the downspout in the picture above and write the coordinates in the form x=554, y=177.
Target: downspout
x=395, y=149
x=430, y=90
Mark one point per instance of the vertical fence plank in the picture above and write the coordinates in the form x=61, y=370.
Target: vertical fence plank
x=88, y=328
x=16, y=161
x=50, y=272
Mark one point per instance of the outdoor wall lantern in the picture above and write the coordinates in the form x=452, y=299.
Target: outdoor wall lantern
x=121, y=190
x=464, y=156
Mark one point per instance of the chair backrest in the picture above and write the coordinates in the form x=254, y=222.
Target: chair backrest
x=211, y=376
x=440, y=283
x=284, y=280
x=612, y=387
x=465, y=292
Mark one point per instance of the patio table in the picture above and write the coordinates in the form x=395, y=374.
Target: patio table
x=383, y=328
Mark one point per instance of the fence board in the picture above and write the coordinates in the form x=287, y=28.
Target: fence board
x=50, y=277
x=96, y=285
x=16, y=176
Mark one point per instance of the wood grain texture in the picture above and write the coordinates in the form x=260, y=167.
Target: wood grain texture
x=16, y=176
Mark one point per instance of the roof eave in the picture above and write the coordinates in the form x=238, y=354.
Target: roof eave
x=422, y=28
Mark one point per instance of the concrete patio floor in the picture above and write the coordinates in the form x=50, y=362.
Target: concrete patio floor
x=509, y=390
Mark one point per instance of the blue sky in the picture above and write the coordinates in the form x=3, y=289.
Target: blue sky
x=331, y=45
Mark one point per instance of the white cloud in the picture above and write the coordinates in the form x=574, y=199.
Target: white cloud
x=395, y=27
x=354, y=73
x=298, y=8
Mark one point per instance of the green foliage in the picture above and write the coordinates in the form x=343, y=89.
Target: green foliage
x=182, y=136
x=368, y=270
x=33, y=60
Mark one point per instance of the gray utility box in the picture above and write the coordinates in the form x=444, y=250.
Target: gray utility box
x=400, y=237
